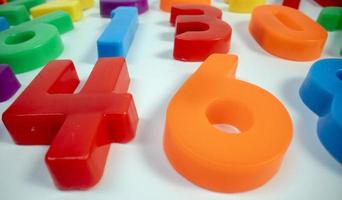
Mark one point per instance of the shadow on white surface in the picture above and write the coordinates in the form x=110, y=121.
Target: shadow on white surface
x=38, y=174
x=167, y=36
x=305, y=128
x=91, y=56
x=166, y=54
x=4, y=135
x=164, y=24
x=151, y=139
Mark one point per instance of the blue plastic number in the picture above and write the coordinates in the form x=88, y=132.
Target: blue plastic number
x=3, y=24
x=322, y=93
x=118, y=36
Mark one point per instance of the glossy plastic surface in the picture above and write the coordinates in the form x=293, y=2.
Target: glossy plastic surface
x=9, y=84
x=291, y=3
x=119, y=34
x=28, y=47
x=73, y=7
x=33, y=44
x=321, y=92
x=3, y=24
x=216, y=160
x=166, y=5
x=287, y=33
x=199, y=36
x=106, y=6
x=244, y=6
x=194, y=9
x=86, y=4
x=331, y=19
x=79, y=127
x=27, y=3
x=15, y=14
x=326, y=3
x=59, y=19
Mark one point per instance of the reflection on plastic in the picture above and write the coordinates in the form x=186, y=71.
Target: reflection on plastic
x=214, y=159
x=79, y=127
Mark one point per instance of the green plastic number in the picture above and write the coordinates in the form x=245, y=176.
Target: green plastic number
x=331, y=19
x=27, y=3
x=33, y=44
x=27, y=47
x=14, y=14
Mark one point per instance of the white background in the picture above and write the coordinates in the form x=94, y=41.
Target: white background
x=140, y=170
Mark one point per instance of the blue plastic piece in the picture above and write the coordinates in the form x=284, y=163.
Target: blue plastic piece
x=3, y=24
x=321, y=91
x=118, y=36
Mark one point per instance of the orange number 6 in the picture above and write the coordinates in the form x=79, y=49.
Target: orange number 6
x=211, y=158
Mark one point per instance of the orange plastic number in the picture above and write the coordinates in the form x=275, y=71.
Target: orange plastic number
x=287, y=33
x=214, y=159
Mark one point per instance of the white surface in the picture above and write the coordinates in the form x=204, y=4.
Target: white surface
x=140, y=170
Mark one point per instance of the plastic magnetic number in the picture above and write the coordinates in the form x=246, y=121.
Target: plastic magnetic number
x=27, y=3
x=198, y=36
x=79, y=127
x=106, y=6
x=14, y=14
x=326, y=3
x=118, y=36
x=73, y=7
x=291, y=3
x=287, y=33
x=331, y=19
x=321, y=92
x=3, y=24
x=191, y=9
x=86, y=4
x=244, y=6
x=33, y=44
x=216, y=160
x=59, y=19
x=166, y=5
x=17, y=11
x=8, y=83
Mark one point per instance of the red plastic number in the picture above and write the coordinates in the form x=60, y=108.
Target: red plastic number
x=199, y=35
x=79, y=127
x=194, y=10
x=291, y=3
x=326, y=3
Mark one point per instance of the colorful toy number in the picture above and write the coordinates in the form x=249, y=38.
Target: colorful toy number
x=322, y=93
x=244, y=6
x=14, y=14
x=106, y=6
x=33, y=44
x=118, y=36
x=79, y=127
x=72, y=7
x=287, y=33
x=199, y=32
x=8, y=83
x=166, y=5
x=221, y=161
x=291, y=3
x=326, y=3
x=3, y=24
x=331, y=19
